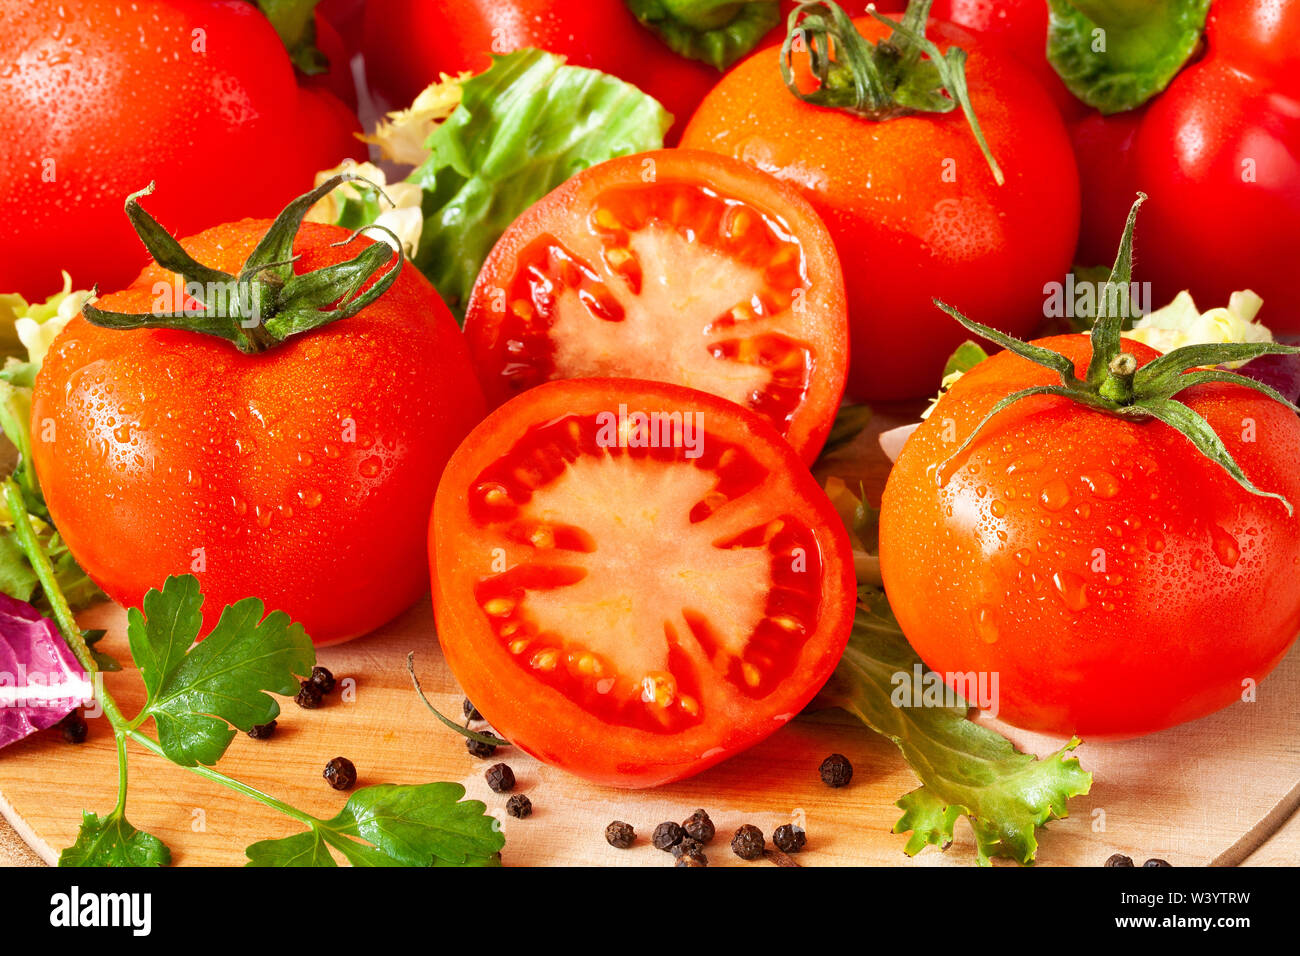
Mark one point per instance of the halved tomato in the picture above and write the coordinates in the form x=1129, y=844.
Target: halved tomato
x=635, y=580
x=679, y=266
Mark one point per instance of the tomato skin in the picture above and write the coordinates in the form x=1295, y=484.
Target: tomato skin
x=1218, y=153
x=303, y=475
x=541, y=720
x=91, y=113
x=904, y=235
x=825, y=329
x=1115, y=579
x=407, y=43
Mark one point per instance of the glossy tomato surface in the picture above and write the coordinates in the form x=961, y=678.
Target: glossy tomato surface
x=1115, y=579
x=408, y=43
x=1218, y=153
x=636, y=602
x=99, y=98
x=679, y=266
x=303, y=475
x=912, y=206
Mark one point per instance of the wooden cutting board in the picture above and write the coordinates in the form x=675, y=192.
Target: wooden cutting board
x=1191, y=795
x=1208, y=792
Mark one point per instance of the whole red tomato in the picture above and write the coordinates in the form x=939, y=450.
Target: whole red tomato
x=302, y=475
x=407, y=43
x=1219, y=154
x=1114, y=578
x=98, y=98
x=912, y=205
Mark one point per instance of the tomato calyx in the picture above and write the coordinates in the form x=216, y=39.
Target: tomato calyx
x=718, y=32
x=267, y=301
x=1115, y=385
x=1115, y=55
x=884, y=80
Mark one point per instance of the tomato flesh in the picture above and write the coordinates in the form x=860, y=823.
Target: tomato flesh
x=678, y=280
x=689, y=602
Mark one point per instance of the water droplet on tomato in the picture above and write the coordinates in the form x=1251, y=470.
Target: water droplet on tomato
x=1101, y=483
x=986, y=626
x=310, y=497
x=1225, y=547
x=1054, y=495
x=1072, y=589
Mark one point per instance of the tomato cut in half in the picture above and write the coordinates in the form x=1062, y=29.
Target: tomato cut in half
x=679, y=266
x=635, y=580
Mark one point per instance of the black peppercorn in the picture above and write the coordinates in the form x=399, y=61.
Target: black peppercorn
x=340, y=773
x=519, y=806
x=688, y=845
x=694, y=858
x=323, y=679
x=699, y=827
x=262, y=731
x=1156, y=863
x=748, y=842
x=309, y=696
x=74, y=727
x=1118, y=859
x=836, y=771
x=620, y=835
x=500, y=778
x=667, y=836
x=471, y=712
x=479, y=749
x=789, y=838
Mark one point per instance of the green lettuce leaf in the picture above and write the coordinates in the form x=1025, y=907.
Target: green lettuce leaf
x=966, y=769
x=523, y=126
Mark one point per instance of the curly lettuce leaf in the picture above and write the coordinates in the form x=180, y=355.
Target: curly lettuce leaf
x=523, y=126
x=966, y=769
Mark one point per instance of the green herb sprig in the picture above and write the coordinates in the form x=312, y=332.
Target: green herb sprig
x=199, y=696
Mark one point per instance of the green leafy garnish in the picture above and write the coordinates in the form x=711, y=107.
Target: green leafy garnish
x=966, y=769
x=199, y=694
x=26, y=331
x=387, y=825
x=112, y=841
x=523, y=127
x=195, y=696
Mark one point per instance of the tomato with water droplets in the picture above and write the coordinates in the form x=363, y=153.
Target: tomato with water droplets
x=302, y=475
x=1114, y=578
x=677, y=265
x=635, y=580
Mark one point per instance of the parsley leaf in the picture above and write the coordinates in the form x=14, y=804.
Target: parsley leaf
x=195, y=695
x=112, y=841
x=389, y=825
